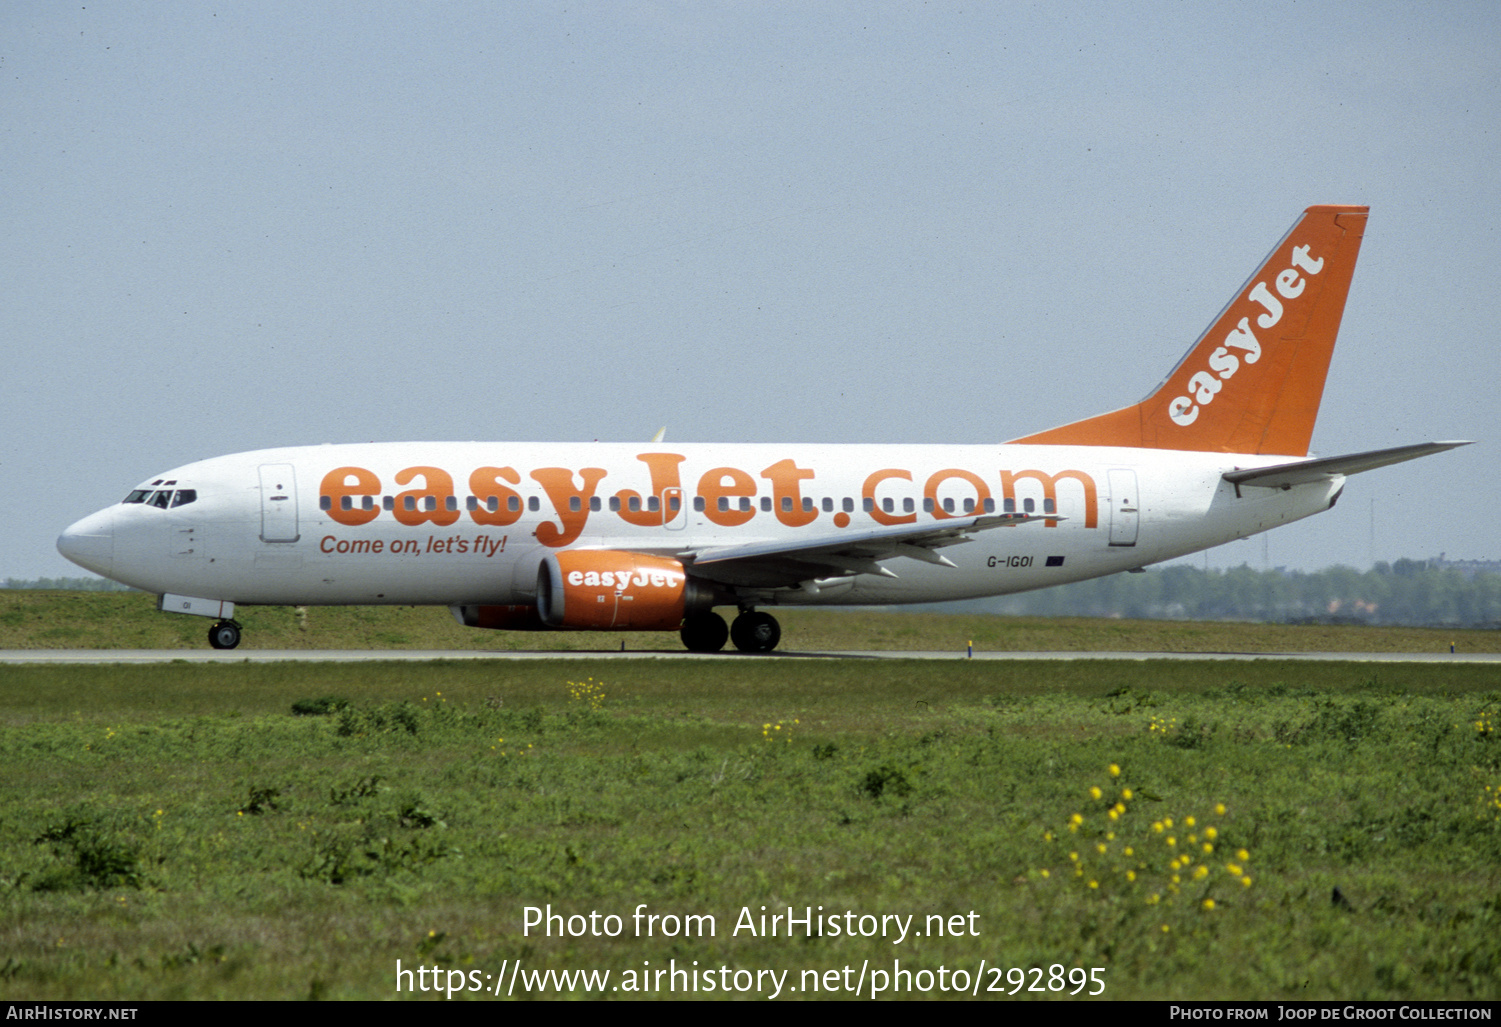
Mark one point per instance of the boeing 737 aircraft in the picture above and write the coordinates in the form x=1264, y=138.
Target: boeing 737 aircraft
x=602, y=537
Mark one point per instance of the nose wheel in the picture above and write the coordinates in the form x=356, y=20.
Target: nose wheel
x=224, y=634
x=755, y=632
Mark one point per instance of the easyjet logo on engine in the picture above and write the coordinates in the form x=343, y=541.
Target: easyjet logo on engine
x=1241, y=344
x=727, y=497
x=621, y=579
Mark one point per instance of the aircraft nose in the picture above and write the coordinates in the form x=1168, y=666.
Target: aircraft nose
x=90, y=543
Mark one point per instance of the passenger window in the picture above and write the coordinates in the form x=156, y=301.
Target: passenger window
x=614, y=504
x=513, y=504
x=869, y=504
x=652, y=504
x=533, y=504
x=594, y=503
x=324, y=502
x=1049, y=506
x=888, y=505
x=388, y=502
x=849, y=505
x=948, y=506
x=634, y=504
x=927, y=505
x=471, y=504
x=432, y=503
x=451, y=503
x=907, y=505
x=1011, y=506
x=574, y=505
x=1028, y=506
x=346, y=502
x=674, y=503
x=989, y=505
x=969, y=506
x=745, y=504
x=786, y=503
x=411, y=502
x=724, y=504
x=766, y=504
x=698, y=504
x=807, y=504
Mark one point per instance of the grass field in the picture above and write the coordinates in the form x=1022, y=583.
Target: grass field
x=178, y=831
x=129, y=620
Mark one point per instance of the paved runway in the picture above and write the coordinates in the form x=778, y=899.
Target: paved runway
x=130, y=656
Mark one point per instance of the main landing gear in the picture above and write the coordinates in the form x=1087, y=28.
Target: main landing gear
x=224, y=634
x=752, y=632
x=755, y=632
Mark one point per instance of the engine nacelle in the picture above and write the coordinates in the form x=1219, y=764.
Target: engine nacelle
x=503, y=618
x=611, y=590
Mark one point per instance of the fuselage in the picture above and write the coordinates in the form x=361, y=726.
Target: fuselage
x=469, y=522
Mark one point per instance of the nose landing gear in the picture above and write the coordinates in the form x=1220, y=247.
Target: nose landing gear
x=224, y=634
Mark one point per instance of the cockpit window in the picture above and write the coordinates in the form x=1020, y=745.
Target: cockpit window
x=162, y=498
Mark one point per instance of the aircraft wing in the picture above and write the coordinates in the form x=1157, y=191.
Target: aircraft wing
x=782, y=563
x=1305, y=472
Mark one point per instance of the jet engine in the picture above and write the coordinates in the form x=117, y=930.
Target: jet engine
x=611, y=590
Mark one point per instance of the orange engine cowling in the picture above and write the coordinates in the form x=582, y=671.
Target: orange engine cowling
x=611, y=590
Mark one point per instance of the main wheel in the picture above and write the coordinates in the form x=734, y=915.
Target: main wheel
x=704, y=632
x=225, y=634
x=755, y=632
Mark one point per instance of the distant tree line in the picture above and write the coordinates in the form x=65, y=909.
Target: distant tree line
x=68, y=584
x=1407, y=592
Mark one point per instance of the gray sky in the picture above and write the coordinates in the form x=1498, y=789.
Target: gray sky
x=264, y=224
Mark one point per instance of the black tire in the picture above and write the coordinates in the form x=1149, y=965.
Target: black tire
x=224, y=634
x=704, y=633
x=755, y=632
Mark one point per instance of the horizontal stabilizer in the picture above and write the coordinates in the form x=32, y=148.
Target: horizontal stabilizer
x=1305, y=472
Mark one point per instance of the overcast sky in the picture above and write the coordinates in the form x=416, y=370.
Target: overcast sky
x=230, y=227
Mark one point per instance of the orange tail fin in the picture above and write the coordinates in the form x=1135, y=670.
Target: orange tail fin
x=1253, y=381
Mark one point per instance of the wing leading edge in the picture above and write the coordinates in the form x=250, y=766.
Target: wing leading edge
x=781, y=564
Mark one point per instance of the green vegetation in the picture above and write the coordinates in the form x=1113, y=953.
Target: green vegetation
x=129, y=620
x=1404, y=592
x=1271, y=830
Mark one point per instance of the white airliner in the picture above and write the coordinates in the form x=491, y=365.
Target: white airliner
x=622, y=536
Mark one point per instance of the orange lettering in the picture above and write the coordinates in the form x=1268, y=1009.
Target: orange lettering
x=485, y=484
x=729, y=483
x=787, y=500
x=869, y=492
x=664, y=475
x=930, y=491
x=336, y=488
x=571, y=504
x=435, y=502
x=1049, y=483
